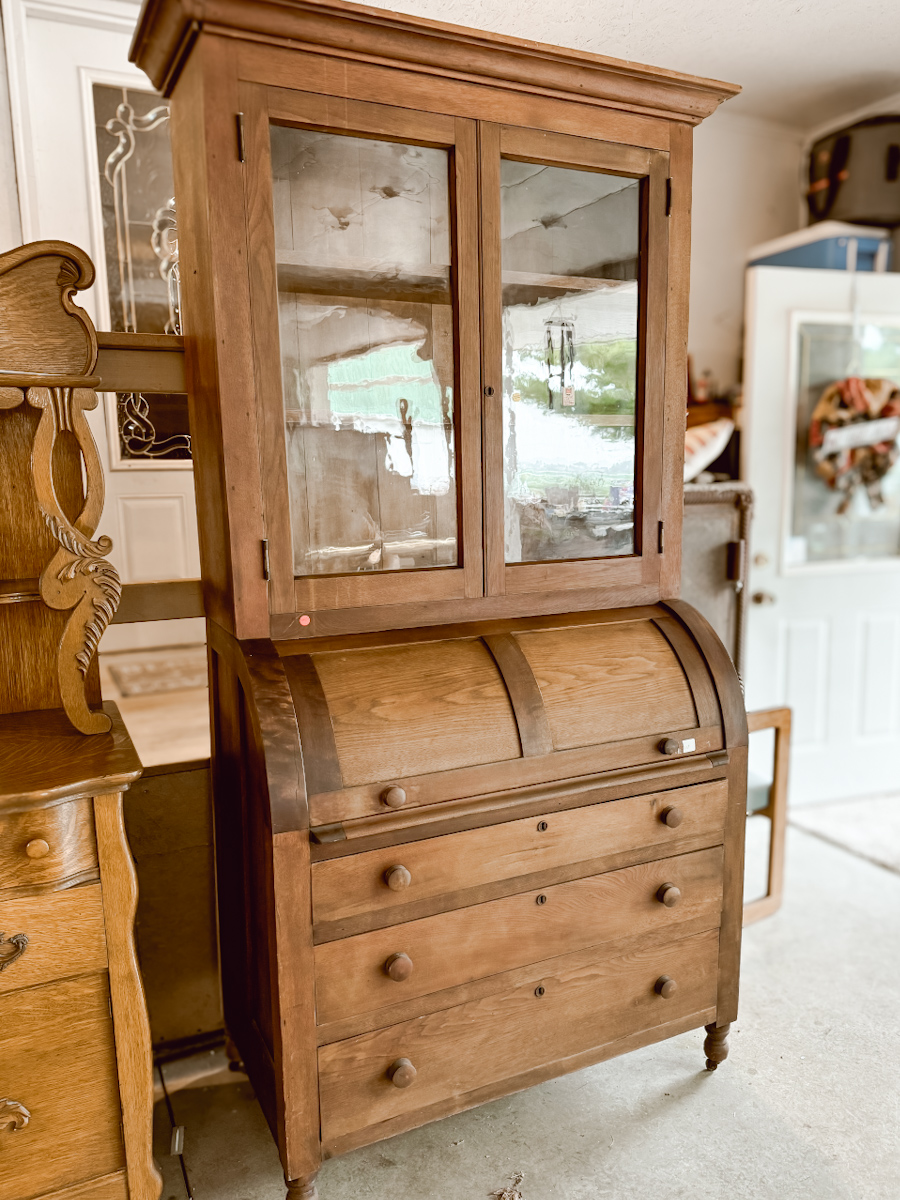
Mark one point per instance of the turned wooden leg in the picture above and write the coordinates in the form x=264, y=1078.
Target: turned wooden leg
x=302, y=1189
x=716, y=1045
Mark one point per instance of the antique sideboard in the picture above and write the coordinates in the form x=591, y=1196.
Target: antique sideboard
x=479, y=775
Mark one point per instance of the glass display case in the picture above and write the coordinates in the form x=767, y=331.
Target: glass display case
x=441, y=330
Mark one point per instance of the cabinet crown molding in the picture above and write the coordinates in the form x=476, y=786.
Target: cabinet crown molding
x=167, y=30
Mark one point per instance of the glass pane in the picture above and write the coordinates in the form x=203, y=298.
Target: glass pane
x=136, y=191
x=570, y=259
x=847, y=469
x=362, y=241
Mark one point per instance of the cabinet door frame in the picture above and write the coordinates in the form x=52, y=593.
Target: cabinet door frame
x=652, y=167
x=263, y=106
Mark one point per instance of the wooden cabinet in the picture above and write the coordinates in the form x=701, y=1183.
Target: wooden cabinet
x=435, y=289
x=478, y=774
x=76, y=1093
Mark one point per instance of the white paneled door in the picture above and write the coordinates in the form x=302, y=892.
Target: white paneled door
x=823, y=629
x=93, y=167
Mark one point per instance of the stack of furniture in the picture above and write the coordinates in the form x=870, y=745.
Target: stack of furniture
x=76, y=1093
x=479, y=776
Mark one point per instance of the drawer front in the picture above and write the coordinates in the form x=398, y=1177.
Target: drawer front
x=51, y=936
x=361, y=974
x=57, y=1063
x=110, y=1187
x=484, y=1043
x=344, y=888
x=47, y=847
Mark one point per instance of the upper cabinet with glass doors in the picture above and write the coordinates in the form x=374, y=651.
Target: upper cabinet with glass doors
x=435, y=307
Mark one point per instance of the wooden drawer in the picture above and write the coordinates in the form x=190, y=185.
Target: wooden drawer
x=47, y=847
x=57, y=1061
x=344, y=888
x=65, y=936
x=470, y=943
x=110, y=1187
x=486, y=1045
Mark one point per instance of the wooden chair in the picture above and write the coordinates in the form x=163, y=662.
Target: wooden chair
x=770, y=800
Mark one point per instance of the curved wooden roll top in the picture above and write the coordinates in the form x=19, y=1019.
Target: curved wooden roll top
x=481, y=710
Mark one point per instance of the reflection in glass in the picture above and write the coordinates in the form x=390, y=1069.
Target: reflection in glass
x=569, y=259
x=846, y=500
x=362, y=242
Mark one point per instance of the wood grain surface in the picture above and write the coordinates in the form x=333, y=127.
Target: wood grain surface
x=129, y=1009
x=459, y=1050
x=110, y=1187
x=43, y=760
x=37, y=282
x=469, y=943
x=408, y=709
x=57, y=1059
x=68, y=832
x=65, y=936
x=605, y=682
x=347, y=887
x=441, y=48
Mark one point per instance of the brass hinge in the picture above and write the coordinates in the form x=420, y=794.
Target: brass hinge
x=668, y=196
x=265, y=558
x=239, y=122
x=659, y=538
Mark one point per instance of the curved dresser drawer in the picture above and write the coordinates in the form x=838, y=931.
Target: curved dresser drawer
x=47, y=847
x=374, y=970
x=59, y=1102
x=570, y=1009
x=385, y=880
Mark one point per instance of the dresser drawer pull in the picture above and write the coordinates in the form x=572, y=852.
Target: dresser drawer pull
x=399, y=967
x=19, y=944
x=393, y=797
x=669, y=895
x=669, y=746
x=37, y=848
x=671, y=817
x=666, y=987
x=14, y=1114
x=402, y=1073
x=397, y=878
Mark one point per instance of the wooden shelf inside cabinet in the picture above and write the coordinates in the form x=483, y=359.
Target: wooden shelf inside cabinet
x=527, y=287
x=366, y=280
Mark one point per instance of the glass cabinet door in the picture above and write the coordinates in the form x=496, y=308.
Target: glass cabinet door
x=570, y=332
x=362, y=243
x=373, y=283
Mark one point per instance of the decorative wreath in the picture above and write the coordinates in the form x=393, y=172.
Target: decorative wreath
x=853, y=436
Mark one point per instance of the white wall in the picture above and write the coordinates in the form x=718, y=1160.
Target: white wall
x=746, y=191
x=10, y=225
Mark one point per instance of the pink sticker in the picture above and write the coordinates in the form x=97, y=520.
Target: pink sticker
x=304, y=620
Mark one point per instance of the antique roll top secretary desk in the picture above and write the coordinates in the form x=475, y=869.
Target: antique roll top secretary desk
x=479, y=776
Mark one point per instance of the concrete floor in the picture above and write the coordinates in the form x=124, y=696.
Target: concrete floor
x=806, y=1108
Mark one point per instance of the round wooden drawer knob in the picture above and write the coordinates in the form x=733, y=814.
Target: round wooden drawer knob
x=669, y=895
x=669, y=746
x=399, y=967
x=397, y=878
x=37, y=848
x=393, y=797
x=402, y=1073
x=671, y=817
x=666, y=987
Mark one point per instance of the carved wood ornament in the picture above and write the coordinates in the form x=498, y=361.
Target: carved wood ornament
x=48, y=349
